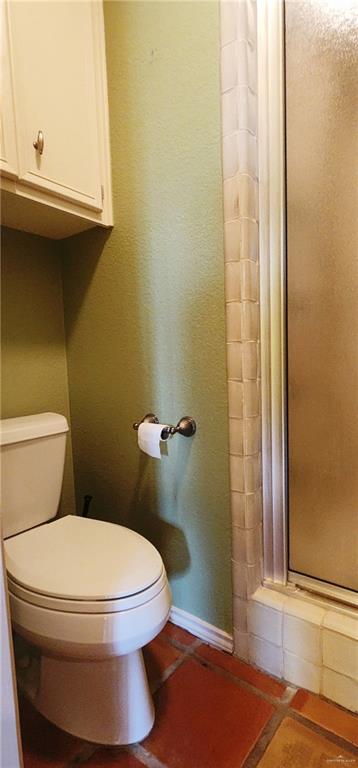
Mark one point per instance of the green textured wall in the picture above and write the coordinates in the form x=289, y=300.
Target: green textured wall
x=33, y=353
x=144, y=305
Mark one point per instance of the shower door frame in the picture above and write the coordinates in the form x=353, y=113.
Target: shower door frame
x=273, y=306
x=272, y=249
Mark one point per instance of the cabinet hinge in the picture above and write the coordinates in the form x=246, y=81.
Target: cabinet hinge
x=102, y=192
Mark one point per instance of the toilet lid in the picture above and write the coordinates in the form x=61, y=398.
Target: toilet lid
x=82, y=559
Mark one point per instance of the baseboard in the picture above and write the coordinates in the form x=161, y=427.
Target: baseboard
x=202, y=629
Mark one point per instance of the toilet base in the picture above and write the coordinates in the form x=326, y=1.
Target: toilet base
x=102, y=701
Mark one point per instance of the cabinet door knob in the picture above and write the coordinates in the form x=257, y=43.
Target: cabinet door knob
x=39, y=143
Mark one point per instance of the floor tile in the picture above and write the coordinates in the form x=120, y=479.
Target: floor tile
x=241, y=670
x=44, y=745
x=173, y=632
x=204, y=720
x=111, y=758
x=158, y=656
x=328, y=715
x=295, y=746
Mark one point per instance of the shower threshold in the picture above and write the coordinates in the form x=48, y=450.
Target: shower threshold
x=323, y=588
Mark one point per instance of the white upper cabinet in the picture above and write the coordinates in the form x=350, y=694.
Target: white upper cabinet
x=8, y=152
x=55, y=117
x=54, y=76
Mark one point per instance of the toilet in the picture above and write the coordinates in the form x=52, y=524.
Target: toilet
x=85, y=595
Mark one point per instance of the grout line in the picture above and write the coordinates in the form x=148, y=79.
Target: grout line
x=240, y=127
x=174, y=666
x=251, y=176
x=198, y=642
x=145, y=757
x=241, y=217
x=288, y=695
x=265, y=738
x=178, y=645
x=238, y=680
x=340, y=741
x=351, y=712
x=86, y=751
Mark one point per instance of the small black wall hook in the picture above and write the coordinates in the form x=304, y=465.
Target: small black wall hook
x=86, y=503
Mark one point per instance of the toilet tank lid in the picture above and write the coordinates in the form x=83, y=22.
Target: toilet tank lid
x=30, y=427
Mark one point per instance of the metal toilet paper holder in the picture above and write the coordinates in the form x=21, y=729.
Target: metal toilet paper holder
x=186, y=426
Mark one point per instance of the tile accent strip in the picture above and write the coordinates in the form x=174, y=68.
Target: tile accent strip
x=239, y=147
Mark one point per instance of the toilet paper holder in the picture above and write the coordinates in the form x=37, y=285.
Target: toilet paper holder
x=186, y=426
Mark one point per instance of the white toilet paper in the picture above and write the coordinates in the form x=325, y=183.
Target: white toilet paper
x=149, y=438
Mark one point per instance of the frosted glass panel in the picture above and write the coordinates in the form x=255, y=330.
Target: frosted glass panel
x=322, y=273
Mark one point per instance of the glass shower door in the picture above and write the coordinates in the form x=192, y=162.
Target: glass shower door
x=321, y=51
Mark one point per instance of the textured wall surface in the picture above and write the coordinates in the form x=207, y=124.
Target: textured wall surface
x=144, y=305
x=239, y=128
x=33, y=355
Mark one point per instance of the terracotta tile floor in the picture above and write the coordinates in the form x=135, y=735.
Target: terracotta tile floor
x=212, y=711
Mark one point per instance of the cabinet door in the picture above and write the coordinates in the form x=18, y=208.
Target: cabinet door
x=8, y=157
x=54, y=72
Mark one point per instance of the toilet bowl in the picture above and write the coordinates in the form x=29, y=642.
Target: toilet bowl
x=86, y=596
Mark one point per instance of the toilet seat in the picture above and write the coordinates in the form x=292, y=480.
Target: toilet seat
x=89, y=636
x=83, y=565
x=87, y=606
x=86, y=589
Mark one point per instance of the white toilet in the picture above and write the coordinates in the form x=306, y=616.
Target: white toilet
x=84, y=594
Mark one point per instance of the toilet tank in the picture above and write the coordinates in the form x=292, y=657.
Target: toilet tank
x=32, y=462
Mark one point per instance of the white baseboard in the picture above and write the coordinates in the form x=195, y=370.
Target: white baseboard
x=202, y=629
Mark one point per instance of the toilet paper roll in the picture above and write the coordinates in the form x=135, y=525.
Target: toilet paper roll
x=149, y=438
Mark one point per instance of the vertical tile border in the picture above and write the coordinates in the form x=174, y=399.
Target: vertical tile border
x=241, y=190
